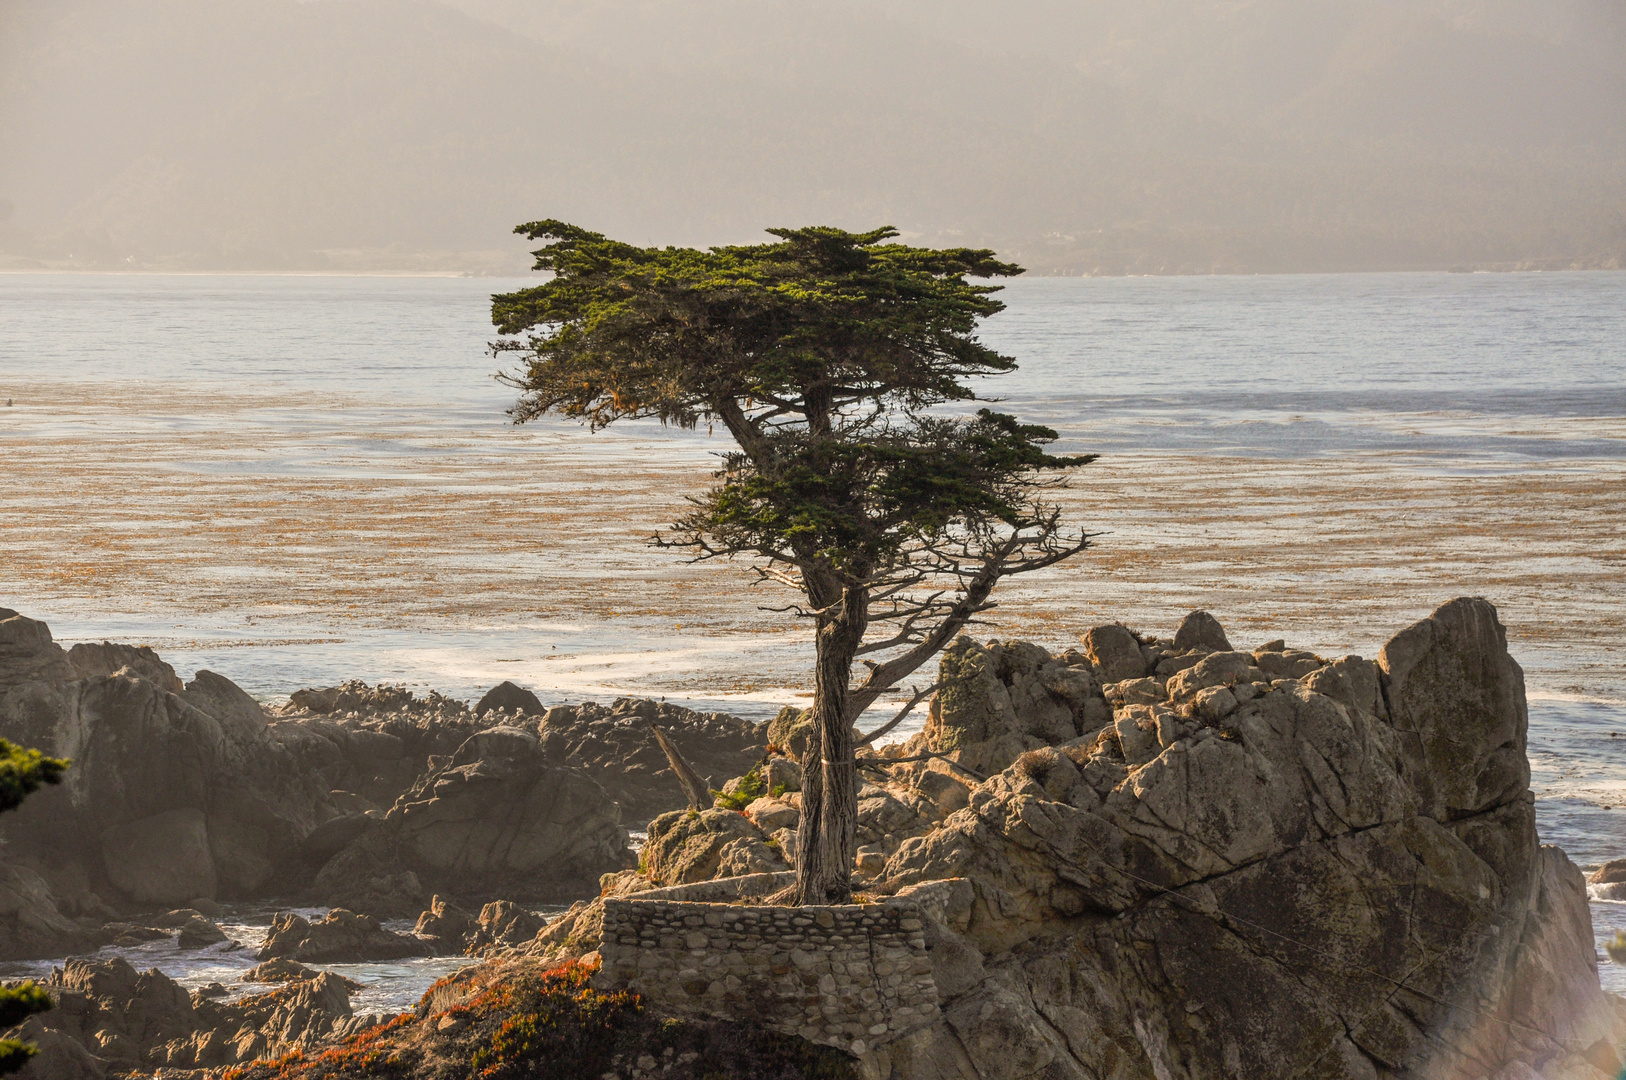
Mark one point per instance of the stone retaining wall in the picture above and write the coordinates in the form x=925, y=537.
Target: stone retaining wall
x=853, y=976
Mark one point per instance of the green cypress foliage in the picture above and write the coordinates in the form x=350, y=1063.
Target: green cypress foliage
x=861, y=477
x=22, y=771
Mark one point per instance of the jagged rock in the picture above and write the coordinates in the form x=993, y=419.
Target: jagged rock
x=1215, y=669
x=1115, y=653
x=494, y=817
x=505, y=925
x=278, y=970
x=506, y=697
x=142, y=752
x=1179, y=898
x=445, y=926
x=110, y=658
x=790, y=729
x=995, y=701
x=1457, y=695
x=615, y=747
x=685, y=847
x=27, y=653
x=283, y=970
x=228, y=703
x=1200, y=630
x=343, y=937
x=58, y=1056
x=163, y=859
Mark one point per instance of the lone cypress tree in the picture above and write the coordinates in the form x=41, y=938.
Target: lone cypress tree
x=21, y=774
x=827, y=356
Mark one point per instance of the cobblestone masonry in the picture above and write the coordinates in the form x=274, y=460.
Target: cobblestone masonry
x=854, y=976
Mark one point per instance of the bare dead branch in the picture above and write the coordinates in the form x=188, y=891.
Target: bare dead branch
x=694, y=788
x=919, y=696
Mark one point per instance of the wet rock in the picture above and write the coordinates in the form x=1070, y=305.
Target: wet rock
x=1610, y=873
x=445, y=926
x=199, y=933
x=506, y=697
x=1200, y=630
x=279, y=970
x=343, y=937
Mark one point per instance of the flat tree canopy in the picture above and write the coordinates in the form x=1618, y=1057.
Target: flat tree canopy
x=834, y=360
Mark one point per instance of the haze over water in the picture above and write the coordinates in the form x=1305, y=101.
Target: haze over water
x=296, y=480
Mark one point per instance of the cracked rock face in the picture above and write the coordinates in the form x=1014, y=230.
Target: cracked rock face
x=1333, y=874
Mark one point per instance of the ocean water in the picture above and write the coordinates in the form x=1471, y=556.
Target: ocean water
x=321, y=392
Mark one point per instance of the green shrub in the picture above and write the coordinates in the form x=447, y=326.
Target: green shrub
x=751, y=788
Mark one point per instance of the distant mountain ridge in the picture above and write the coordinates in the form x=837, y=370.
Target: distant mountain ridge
x=1081, y=137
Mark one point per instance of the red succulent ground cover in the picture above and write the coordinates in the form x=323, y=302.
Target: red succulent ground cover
x=515, y=1020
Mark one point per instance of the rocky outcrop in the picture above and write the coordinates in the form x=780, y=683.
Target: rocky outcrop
x=110, y=1018
x=495, y=818
x=614, y=746
x=32, y=923
x=501, y=926
x=165, y=801
x=342, y=937
x=163, y=859
x=506, y=697
x=1275, y=868
x=687, y=846
x=998, y=700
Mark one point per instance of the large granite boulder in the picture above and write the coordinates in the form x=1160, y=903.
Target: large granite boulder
x=1302, y=882
x=508, y=697
x=161, y=788
x=163, y=859
x=995, y=701
x=111, y=658
x=1457, y=697
x=495, y=818
x=27, y=653
x=686, y=846
x=342, y=937
x=32, y=923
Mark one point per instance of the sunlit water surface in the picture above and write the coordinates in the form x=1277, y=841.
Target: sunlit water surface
x=1449, y=372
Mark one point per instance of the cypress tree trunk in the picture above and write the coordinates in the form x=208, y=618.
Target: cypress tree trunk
x=826, y=841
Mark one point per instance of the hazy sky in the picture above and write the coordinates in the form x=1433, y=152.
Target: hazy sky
x=1088, y=136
